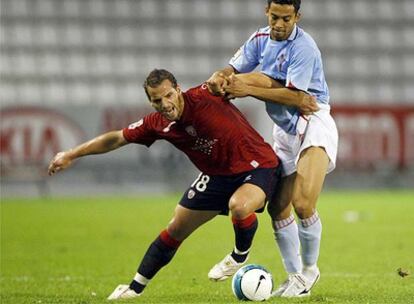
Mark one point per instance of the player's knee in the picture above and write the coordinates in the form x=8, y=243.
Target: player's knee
x=278, y=213
x=302, y=210
x=278, y=207
x=303, y=206
x=175, y=231
x=238, y=208
x=304, y=201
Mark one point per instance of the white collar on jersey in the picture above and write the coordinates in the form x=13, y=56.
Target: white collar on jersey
x=294, y=32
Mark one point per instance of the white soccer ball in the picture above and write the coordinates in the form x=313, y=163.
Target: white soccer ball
x=252, y=282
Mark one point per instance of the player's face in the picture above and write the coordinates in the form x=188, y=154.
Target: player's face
x=167, y=100
x=282, y=19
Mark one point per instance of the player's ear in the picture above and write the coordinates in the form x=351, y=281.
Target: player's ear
x=178, y=89
x=267, y=10
x=298, y=16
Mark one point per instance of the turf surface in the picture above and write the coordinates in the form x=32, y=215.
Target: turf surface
x=73, y=250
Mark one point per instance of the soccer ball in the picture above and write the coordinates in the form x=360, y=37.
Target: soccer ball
x=252, y=282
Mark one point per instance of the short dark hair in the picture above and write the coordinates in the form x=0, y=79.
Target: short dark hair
x=155, y=78
x=295, y=3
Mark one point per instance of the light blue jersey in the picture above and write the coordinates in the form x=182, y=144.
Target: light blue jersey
x=295, y=62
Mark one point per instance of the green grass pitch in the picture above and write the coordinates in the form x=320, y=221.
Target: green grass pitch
x=73, y=250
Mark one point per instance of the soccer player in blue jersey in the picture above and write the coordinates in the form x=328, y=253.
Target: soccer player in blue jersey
x=289, y=60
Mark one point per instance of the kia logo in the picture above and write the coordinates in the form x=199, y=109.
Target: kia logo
x=34, y=134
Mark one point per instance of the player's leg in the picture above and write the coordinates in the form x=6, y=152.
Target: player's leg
x=302, y=189
x=283, y=221
x=164, y=247
x=280, y=208
x=311, y=171
x=284, y=225
x=250, y=196
x=305, y=161
x=162, y=250
x=242, y=205
x=286, y=234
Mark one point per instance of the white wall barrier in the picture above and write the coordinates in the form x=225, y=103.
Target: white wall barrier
x=372, y=139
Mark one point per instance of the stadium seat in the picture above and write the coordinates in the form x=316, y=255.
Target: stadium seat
x=120, y=39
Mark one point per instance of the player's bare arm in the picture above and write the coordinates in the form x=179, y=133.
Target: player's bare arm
x=219, y=78
x=101, y=144
x=257, y=79
x=264, y=88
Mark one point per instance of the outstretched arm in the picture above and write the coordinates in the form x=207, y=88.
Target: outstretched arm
x=101, y=144
x=265, y=88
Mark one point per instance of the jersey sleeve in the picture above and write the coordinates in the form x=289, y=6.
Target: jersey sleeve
x=300, y=70
x=140, y=132
x=246, y=59
x=202, y=93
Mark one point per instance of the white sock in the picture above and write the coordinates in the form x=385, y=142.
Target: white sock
x=286, y=235
x=310, y=232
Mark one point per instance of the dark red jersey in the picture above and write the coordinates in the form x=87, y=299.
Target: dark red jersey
x=212, y=132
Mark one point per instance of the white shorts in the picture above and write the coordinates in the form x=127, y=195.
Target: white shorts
x=318, y=131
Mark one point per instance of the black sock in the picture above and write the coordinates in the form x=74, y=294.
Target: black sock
x=159, y=254
x=137, y=287
x=244, y=231
x=239, y=258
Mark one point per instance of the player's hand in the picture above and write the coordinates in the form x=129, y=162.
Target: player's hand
x=236, y=87
x=61, y=161
x=307, y=104
x=216, y=83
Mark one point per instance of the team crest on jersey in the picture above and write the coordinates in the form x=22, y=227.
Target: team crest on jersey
x=191, y=131
x=191, y=194
x=136, y=124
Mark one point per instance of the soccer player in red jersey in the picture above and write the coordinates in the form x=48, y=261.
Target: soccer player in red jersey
x=238, y=170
